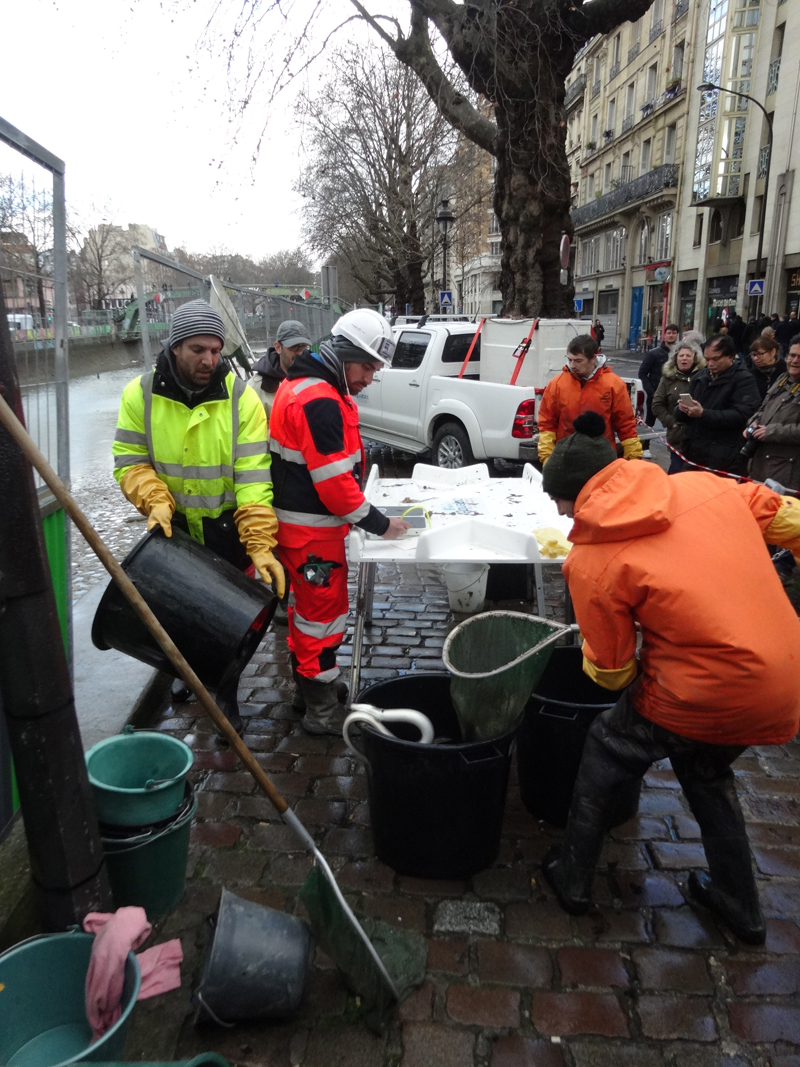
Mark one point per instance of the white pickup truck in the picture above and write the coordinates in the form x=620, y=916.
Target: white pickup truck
x=420, y=403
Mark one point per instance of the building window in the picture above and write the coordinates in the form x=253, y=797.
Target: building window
x=643, y=247
x=746, y=14
x=755, y=221
x=591, y=248
x=593, y=130
x=670, y=141
x=729, y=168
x=651, y=89
x=677, y=61
x=698, y=230
x=644, y=156
x=615, y=248
x=715, y=228
x=494, y=224
x=494, y=248
x=664, y=236
x=626, y=170
x=590, y=187
x=607, y=178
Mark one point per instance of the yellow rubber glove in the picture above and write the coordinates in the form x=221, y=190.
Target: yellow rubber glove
x=784, y=530
x=631, y=448
x=258, y=526
x=611, y=679
x=148, y=494
x=552, y=542
x=547, y=442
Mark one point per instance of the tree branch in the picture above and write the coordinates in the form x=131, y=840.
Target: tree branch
x=416, y=53
x=603, y=16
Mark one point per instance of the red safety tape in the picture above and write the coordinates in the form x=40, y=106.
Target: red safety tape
x=697, y=466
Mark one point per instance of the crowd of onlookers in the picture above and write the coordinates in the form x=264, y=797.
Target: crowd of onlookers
x=731, y=403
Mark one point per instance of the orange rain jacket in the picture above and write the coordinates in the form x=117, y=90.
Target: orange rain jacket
x=567, y=396
x=685, y=558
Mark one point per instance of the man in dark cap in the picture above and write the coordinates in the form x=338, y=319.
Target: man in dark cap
x=290, y=340
x=191, y=450
x=714, y=673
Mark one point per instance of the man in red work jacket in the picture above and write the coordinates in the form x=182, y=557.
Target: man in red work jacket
x=317, y=472
x=586, y=384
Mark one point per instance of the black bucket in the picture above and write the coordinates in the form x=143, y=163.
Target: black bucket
x=215, y=614
x=552, y=735
x=256, y=965
x=436, y=810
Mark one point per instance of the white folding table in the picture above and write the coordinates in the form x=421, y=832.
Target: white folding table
x=472, y=518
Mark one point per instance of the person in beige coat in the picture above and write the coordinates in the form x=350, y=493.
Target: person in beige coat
x=685, y=360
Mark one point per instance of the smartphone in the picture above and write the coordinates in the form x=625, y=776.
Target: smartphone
x=685, y=397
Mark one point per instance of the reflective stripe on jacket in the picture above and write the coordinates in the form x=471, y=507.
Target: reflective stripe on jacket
x=566, y=396
x=317, y=459
x=211, y=452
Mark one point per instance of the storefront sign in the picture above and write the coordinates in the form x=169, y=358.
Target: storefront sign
x=723, y=291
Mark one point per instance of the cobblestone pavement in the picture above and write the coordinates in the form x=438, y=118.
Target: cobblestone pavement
x=644, y=978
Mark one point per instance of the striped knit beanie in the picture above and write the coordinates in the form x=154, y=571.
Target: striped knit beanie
x=195, y=319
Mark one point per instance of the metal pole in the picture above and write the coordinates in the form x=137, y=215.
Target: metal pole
x=137, y=262
x=61, y=368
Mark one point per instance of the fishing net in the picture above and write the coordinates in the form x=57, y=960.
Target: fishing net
x=495, y=660
x=402, y=952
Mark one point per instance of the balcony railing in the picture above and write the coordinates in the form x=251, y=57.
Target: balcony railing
x=627, y=122
x=681, y=8
x=608, y=136
x=646, y=185
x=614, y=71
x=575, y=90
x=772, y=77
x=633, y=52
x=595, y=88
x=656, y=29
x=763, y=161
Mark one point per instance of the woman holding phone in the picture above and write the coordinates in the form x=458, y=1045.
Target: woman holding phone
x=684, y=362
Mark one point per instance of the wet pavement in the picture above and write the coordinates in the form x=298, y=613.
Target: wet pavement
x=644, y=979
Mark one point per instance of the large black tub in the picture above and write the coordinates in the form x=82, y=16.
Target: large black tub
x=214, y=613
x=436, y=810
x=551, y=738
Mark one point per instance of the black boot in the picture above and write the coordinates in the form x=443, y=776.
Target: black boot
x=325, y=714
x=729, y=888
x=228, y=702
x=571, y=883
x=180, y=691
x=298, y=700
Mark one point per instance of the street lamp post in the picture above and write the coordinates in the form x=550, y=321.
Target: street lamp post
x=445, y=218
x=706, y=87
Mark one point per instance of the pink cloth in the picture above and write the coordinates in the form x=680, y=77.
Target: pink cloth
x=116, y=935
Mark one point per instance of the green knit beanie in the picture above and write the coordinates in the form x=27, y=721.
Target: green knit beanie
x=577, y=458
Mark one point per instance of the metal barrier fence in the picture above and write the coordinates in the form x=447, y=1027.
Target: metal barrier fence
x=163, y=285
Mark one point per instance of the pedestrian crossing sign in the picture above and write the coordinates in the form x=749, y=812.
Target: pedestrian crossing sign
x=446, y=298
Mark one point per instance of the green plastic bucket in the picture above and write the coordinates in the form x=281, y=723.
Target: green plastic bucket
x=138, y=776
x=42, y=1004
x=495, y=659
x=150, y=869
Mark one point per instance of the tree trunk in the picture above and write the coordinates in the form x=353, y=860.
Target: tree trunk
x=532, y=204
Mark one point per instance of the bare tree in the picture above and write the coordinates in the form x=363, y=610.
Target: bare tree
x=516, y=54
x=26, y=222
x=378, y=146
x=104, y=263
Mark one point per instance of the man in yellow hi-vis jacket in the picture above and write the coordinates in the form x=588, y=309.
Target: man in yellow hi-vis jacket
x=191, y=449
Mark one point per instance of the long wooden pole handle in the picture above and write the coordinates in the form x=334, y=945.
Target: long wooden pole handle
x=132, y=594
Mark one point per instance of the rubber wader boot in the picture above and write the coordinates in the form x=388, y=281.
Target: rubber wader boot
x=298, y=700
x=729, y=891
x=324, y=712
x=569, y=867
x=228, y=703
x=180, y=691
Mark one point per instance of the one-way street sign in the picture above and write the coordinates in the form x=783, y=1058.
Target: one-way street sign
x=755, y=287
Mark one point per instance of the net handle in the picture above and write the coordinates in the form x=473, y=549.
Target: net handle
x=559, y=630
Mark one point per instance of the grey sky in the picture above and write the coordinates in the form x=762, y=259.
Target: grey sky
x=118, y=89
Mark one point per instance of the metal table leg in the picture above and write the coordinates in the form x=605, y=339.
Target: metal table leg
x=364, y=594
x=539, y=580
x=569, y=614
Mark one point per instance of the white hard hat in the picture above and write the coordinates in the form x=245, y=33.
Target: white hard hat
x=368, y=330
